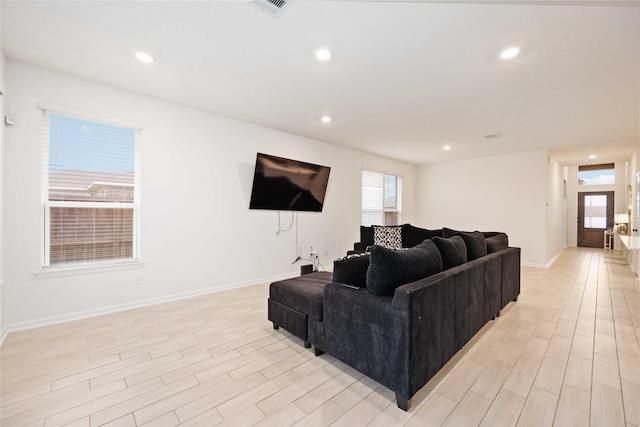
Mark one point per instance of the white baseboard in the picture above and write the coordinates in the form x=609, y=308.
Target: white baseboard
x=546, y=265
x=3, y=335
x=4, y=331
x=54, y=320
x=553, y=259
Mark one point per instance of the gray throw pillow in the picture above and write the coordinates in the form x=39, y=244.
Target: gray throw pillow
x=476, y=244
x=389, y=269
x=351, y=270
x=453, y=251
x=497, y=243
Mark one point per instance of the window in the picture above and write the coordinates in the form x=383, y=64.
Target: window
x=381, y=199
x=604, y=174
x=595, y=211
x=90, y=191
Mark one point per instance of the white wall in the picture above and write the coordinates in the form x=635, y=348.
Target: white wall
x=499, y=193
x=556, y=218
x=634, y=169
x=197, y=231
x=619, y=189
x=3, y=330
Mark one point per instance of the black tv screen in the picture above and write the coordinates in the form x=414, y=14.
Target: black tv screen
x=288, y=185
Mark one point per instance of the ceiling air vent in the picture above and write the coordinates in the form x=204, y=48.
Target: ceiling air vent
x=493, y=136
x=272, y=7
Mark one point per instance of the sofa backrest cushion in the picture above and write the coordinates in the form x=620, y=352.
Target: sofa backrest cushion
x=417, y=235
x=389, y=237
x=497, y=243
x=453, y=251
x=389, y=269
x=448, y=232
x=476, y=244
x=351, y=270
x=366, y=235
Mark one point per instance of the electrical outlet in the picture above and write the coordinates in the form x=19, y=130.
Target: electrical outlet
x=139, y=279
x=313, y=254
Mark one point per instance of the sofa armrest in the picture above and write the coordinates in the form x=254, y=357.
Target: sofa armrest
x=446, y=310
x=510, y=275
x=368, y=333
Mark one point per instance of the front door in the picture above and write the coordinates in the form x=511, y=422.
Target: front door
x=595, y=215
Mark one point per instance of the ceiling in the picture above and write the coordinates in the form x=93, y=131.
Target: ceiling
x=405, y=78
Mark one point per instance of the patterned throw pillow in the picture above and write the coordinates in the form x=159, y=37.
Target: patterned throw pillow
x=388, y=237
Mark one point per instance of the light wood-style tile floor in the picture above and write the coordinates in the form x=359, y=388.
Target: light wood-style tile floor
x=567, y=353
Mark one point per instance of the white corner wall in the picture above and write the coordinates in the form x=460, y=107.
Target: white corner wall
x=198, y=234
x=3, y=330
x=556, y=215
x=499, y=193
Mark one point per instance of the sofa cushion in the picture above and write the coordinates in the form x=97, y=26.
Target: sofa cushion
x=417, y=235
x=453, y=251
x=476, y=244
x=366, y=236
x=351, y=270
x=488, y=234
x=497, y=243
x=389, y=237
x=303, y=293
x=389, y=269
x=448, y=232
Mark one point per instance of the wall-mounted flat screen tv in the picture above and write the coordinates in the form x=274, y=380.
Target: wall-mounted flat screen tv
x=288, y=185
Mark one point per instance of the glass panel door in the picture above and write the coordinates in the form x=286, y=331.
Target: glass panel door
x=595, y=211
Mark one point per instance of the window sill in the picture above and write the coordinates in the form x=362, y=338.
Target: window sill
x=71, y=270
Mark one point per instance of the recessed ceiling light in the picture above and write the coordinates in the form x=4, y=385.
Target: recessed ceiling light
x=593, y=156
x=325, y=119
x=144, y=57
x=323, y=54
x=510, y=52
x=446, y=148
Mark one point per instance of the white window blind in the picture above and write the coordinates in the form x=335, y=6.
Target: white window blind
x=90, y=191
x=381, y=198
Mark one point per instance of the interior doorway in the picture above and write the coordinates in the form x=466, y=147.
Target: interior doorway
x=595, y=215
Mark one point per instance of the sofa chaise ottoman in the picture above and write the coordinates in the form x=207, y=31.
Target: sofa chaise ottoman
x=292, y=301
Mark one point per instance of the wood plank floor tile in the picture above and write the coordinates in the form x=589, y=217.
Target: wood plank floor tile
x=567, y=353
x=504, y=411
x=605, y=345
x=539, y=409
x=433, y=413
x=605, y=371
x=456, y=386
x=522, y=377
x=287, y=416
x=606, y=406
x=469, y=411
x=550, y=375
x=323, y=416
x=490, y=381
x=578, y=373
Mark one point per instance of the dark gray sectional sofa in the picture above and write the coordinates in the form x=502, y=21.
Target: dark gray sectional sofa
x=401, y=334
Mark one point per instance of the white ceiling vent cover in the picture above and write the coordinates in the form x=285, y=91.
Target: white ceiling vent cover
x=272, y=7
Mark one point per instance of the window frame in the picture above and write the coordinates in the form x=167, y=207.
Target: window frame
x=398, y=198
x=594, y=168
x=46, y=268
